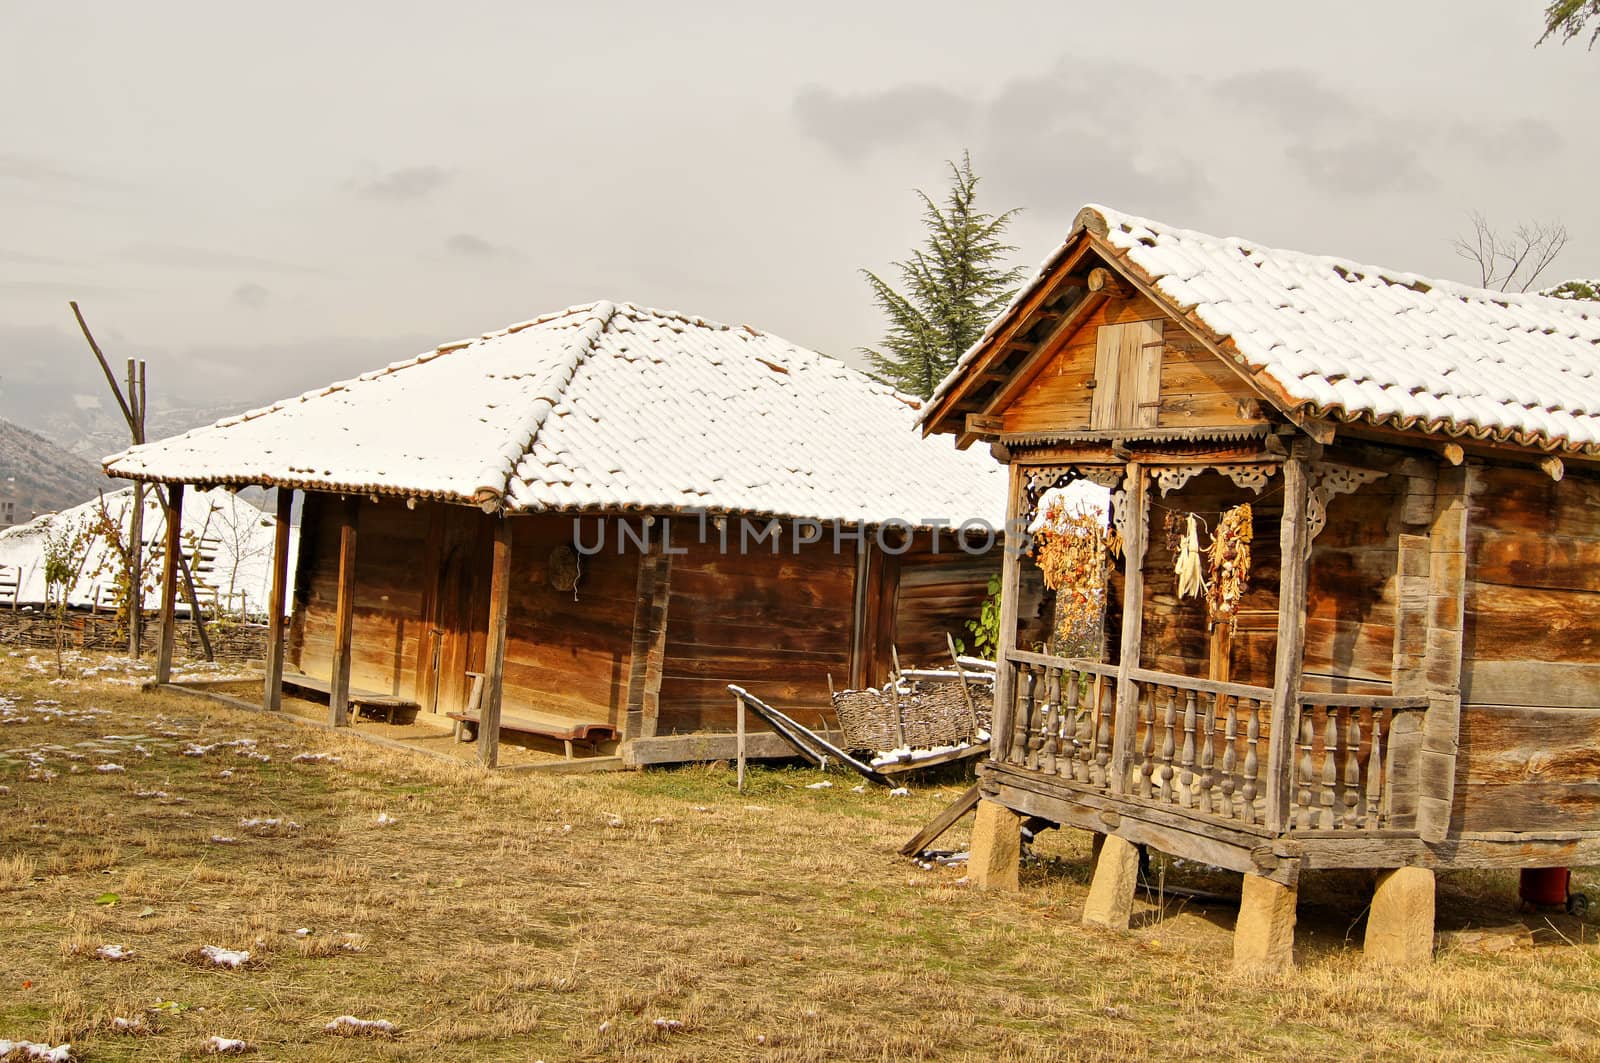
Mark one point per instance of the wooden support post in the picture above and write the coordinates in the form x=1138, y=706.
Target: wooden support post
x=1295, y=551
x=995, y=858
x=169, y=582
x=344, y=616
x=1447, y=577
x=738, y=705
x=1116, y=877
x=1013, y=537
x=861, y=636
x=272, y=699
x=1134, y=528
x=1400, y=924
x=1263, y=937
x=495, y=663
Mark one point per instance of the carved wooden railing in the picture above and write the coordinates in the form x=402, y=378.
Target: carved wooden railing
x=1347, y=762
x=1200, y=745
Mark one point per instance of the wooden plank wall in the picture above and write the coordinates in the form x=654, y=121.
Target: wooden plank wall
x=1529, y=749
x=387, y=633
x=569, y=653
x=939, y=593
x=1197, y=390
x=778, y=624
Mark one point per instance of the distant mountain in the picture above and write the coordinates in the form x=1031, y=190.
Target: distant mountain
x=41, y=477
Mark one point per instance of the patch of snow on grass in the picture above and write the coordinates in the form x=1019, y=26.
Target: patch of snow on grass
x=823, y=785
x=349, y=1025
x=225, y=1046
x=109, y=769
x=221, y=957
x=31, y=1050
x=114, y=952
x=899, y=791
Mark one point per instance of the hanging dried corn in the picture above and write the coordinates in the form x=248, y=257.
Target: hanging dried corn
x=1191, y=580
x=1229, y=558
x=1070, y=549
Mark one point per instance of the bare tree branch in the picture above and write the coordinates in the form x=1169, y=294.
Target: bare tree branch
x=1511, y=262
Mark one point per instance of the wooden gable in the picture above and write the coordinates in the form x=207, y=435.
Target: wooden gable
x=1129, y=366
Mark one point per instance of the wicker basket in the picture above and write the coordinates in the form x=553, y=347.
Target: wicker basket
x=925, y=714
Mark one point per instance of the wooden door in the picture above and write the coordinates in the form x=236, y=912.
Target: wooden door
x=457, y=614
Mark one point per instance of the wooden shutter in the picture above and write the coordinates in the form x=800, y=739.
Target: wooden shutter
x=1127, y=372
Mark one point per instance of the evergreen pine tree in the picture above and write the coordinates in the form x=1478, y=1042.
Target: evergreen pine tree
x=952, y=288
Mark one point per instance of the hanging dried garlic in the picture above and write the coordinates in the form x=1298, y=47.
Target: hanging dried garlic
x=1229, y=557
x=1191, y=581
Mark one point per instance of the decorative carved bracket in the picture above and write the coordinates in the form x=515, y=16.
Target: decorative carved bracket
x=1254, y=477
x=1331, y=480
x=1172, y=477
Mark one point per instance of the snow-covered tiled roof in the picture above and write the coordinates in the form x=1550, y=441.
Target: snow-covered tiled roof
x=1337, y=339
x=602, y=407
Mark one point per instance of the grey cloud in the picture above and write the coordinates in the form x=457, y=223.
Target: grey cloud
x=1503, y=142
x=23, y=258
x=406, y=183
x=184, y=257
x=252, y=295
x=39, y=171
x=1361, y=167
x=853, y=127
x=466, y=245
x=1292, y=101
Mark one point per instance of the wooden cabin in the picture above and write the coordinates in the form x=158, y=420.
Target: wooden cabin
x=1409, y=677
x=590, y=524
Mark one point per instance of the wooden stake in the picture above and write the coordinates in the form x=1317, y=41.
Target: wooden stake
x=738, y=703
x=169, y=582
x=495, y=664
x=273, y=699
x=344, y=618
x=135, y=558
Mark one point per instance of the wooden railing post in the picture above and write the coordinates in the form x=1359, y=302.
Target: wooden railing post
x=272, y=699
x=1126, y=726
x=1012, y=538
x=1295, y=551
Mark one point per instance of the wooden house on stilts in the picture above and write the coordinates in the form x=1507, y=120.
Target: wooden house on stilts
x=599, y=519
x=1395, y=663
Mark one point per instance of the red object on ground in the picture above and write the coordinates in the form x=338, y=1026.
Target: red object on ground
x=1545, y=886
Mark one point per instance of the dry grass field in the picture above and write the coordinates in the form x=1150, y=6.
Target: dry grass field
x=660, y=915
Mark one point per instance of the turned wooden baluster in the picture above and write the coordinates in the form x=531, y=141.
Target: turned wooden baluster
x=1082, y=729
x=1375, y=772
x=1352, y=767
x=1230, y=735
x=1307, y=770
x=1252, y=760
x=1169, y=743
x=1102, y=734
x=1330, y=797
x=1186, y=777
x=1024, y=717
x=1207, y=756
x=1052, y=721
x=1147, y=763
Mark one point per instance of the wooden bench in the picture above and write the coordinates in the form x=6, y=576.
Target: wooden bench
x=523, y=720
x=373, y=700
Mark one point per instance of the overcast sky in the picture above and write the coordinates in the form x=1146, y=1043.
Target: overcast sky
x=260, y=199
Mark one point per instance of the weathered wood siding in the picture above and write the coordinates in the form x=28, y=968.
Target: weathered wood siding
x=939, y=593
x=1196, y=390
x=568, y=652
x=387, y=634
x=779, y=624
x=1529, y=756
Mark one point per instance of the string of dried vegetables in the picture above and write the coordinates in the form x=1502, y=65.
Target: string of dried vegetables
x=1229, y=563
x=1191, y=581
x=1071, y=549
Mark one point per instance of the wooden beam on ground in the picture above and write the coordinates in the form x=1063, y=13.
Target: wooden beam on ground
x=494, y=668
x=942, y=822
x=1294, y=540
x=276, y=600
x=344, y=617
x=169, y=583
x=1134, y=533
